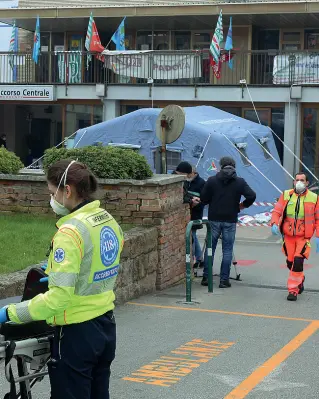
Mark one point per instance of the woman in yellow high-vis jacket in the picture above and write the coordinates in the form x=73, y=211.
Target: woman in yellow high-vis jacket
x=82, y=269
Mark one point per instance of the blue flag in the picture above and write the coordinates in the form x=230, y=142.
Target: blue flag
x=36, y=44
x=229, y=42
x=118, y=37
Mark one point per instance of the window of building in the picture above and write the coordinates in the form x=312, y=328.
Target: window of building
x=268, y=39
x=161, y=40
x=153, y=40
x=309, y=144
x=144, y=40
x=173, y=158
x=264, y=144
x=312, y=39
x=241, y=147
x=181, y=40
x=292, y=40
x=79, y=116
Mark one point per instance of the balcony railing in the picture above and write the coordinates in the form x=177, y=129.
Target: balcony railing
x=69, y=67
x=263, y=68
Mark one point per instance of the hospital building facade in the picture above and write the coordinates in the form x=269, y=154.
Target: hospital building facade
x=275, y=66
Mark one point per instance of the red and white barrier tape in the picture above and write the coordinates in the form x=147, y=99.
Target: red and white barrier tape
x=253, y=224
x=264, y=204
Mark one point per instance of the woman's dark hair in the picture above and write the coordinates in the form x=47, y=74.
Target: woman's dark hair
x=78, y=176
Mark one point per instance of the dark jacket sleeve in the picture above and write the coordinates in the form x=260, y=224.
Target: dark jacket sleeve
x=249, y=195
x=207, y=192
x=187, y=198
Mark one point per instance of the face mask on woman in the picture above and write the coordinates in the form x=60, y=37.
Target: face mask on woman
x=58, y=208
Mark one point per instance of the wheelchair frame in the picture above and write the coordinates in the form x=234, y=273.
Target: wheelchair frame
x=32, y=356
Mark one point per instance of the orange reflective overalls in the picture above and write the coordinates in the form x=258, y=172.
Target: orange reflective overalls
x=297, y=216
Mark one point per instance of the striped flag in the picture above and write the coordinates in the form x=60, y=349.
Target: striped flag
x=229, y=42
x=217, y=39
x=215, y=46
x=12, y=47
x=88, y=40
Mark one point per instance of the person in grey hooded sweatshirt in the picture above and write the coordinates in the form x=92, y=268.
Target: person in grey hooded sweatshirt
x=222, y=193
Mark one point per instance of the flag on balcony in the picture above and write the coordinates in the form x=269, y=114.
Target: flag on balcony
x=88, y=40
x=36, y=44
x=12, y=47
x=226, y=57
x=118, y=37
x=229, y=42
x=217, y=39
x=93, y=41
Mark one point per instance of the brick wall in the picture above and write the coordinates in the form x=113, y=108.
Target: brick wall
x=154, y=202
x=139, y=263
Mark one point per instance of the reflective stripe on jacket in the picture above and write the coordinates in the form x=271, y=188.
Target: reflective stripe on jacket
x=82, y=267
x=297, y=214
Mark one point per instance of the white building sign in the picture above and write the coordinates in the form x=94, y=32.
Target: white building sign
x=26, y=93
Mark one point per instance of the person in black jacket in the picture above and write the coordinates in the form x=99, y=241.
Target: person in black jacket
x=192, y=190
x=223, y=193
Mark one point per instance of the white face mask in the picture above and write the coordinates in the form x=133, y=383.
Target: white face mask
x=300, y=187
x=58, y=208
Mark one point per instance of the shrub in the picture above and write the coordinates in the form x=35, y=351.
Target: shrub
x=105, y=162
x=9, y=162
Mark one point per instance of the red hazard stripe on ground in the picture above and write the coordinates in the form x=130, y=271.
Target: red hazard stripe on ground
x=246, y=262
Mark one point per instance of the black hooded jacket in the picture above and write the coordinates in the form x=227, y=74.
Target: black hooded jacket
x=194, y=189
x=223, y=193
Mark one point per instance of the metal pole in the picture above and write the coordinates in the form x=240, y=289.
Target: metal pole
x=164, y=169
x=209, y=255
x=188, y=263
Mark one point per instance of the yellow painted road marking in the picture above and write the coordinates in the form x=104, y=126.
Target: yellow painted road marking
x=244, y=388
x=264, y=316
x=168, y=370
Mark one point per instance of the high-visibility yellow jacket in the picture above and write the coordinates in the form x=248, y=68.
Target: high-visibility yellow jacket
x=297, y=214
x=82, y=267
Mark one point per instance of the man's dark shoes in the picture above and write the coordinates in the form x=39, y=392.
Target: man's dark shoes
x=292, y=296
x=204, y=281
x=224, y=284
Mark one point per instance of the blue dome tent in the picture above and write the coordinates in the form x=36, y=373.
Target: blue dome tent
x=208, y=135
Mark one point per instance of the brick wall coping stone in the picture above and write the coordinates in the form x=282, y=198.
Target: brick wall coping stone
x=156, y=180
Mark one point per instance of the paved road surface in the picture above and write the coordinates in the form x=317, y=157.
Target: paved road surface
x=244, y=342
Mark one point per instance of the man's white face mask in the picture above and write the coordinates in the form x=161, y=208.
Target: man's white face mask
x=300, y=187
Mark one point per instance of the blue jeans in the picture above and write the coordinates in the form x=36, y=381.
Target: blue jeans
x=227, y=231
x=196, y=249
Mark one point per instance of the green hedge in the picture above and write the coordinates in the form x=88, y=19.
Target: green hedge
x=105, y=162
x=9, y=162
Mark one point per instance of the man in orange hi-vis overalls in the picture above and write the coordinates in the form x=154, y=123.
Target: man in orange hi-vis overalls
x=296, y=217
